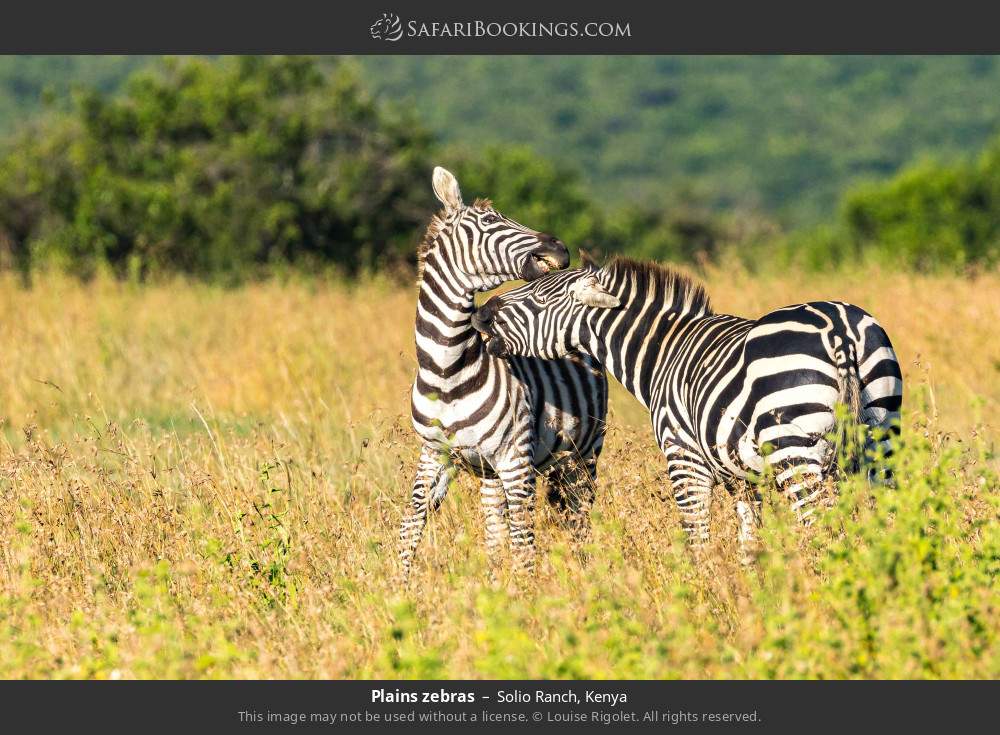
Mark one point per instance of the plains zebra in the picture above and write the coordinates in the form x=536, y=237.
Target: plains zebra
x=504, y=420
x=718, y=387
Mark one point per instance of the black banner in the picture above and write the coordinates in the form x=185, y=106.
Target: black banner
x=511, y=27
x=222, y=707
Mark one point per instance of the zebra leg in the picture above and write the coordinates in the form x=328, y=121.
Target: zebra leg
x=494, y=504
x=429, y=467
x=878, y=450
x=881, y=400
x=441, y=483
x=518, y=480
x=802, y=483
x=748, y=510
x=692, y=481
x=877, y=453
x=572, y=488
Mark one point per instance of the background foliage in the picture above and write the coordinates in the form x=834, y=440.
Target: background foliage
x=784, y=134
x=224, y=167
x=216, y=168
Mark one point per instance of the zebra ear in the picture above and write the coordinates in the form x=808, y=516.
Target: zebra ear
x=446, y=189
x=591, y=293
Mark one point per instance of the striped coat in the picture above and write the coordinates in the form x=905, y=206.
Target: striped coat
x=728, y=396
x=505, y=421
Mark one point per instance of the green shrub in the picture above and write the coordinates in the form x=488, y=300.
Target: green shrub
x=226, y=167
x=931, y=215
x=218, y=167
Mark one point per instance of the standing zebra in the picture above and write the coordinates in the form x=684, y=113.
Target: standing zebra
x=718, y=387
x=503, y=420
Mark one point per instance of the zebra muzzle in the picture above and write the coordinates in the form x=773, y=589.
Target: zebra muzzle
x=494, y=345
x=482, y=318
x=482, y=322
x=551, y=254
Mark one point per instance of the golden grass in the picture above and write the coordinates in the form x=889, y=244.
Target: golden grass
x=206, y=482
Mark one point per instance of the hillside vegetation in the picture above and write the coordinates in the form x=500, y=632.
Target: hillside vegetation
x=29, y=84
x=235, y=167
x=783, y=134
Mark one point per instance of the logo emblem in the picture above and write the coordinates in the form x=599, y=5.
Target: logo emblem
x=387, y=28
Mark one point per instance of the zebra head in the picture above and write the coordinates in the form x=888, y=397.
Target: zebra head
x=547, y=318
x=481, y=248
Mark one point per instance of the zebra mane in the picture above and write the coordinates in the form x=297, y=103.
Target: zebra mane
x=434, y=227
x=678, y=289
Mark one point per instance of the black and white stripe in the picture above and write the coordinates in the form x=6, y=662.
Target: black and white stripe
x=504, y=420
x=728, y=396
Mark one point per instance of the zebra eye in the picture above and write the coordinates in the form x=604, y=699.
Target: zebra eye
x=490, y=219
x=540, y=298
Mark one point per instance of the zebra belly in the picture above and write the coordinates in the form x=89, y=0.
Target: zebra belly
x=771, y=439
x=458, y=442
x=472, y=460
x=457, y=449
x=557, y=438
x=573, y=404
x=478, y=462
x=452, y=429
x=572, y=396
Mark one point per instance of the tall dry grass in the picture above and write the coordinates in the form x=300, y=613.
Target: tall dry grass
x=206, y=482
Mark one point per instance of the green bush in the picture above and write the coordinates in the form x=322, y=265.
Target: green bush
x=225, y=167
x=681, y=233
x=931, y=214
x=218, y=167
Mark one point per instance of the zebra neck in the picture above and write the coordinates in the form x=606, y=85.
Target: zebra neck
x=629, y=342
x=446, y=341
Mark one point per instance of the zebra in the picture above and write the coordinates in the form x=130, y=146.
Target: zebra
x=504, y=420
x=721, y=390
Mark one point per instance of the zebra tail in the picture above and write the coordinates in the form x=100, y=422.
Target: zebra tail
x=850, y=445
x=850, y=392
x=439, y=487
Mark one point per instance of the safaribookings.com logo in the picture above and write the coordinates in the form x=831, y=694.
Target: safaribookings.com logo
x=387, y=28
x=390, y=28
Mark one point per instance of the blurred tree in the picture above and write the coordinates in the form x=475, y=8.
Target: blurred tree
x=216, y=167
x=931, y=214
x=783, y=134
x=229, y=166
